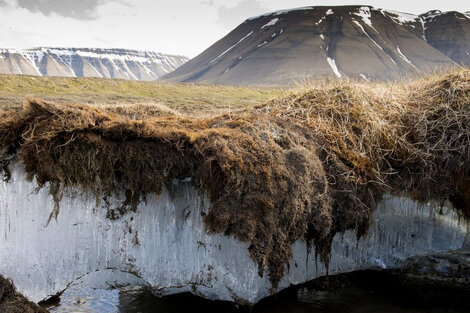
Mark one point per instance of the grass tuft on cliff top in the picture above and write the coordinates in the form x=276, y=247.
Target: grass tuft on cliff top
x=13, y=302
x=305, y=166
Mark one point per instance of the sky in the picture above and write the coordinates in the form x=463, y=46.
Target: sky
x=183, y=27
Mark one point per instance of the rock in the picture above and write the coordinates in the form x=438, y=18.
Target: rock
x=164, y=244
x=449, y=268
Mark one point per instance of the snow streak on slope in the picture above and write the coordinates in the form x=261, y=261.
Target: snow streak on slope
x=332, y=63
x=223, y=53
x=363, y=30
x=271, y=23
x=404, y=57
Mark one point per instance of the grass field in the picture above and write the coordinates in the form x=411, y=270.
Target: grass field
x=185, y=98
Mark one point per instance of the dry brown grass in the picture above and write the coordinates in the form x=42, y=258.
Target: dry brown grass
x=139, y=111
x=306, y=166
x=412, y=136
x=12, y=302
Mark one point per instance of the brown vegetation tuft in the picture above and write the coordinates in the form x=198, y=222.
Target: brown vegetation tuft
x=12, y=302
x=306, y=166
x=409, y=137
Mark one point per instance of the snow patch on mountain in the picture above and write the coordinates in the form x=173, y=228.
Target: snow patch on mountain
x=280, y=12
x=332, y=63
x=400, y=17
x=365, y=15
x=404, y=57
x=271, y=23
x=223, y=53
x=375, y=43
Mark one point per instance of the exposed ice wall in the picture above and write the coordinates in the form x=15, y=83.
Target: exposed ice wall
x=165, y=244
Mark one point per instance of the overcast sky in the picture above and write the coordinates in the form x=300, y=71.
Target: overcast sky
x=183, y=27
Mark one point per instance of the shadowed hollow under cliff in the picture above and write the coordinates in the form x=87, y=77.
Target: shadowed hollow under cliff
x=305, y=166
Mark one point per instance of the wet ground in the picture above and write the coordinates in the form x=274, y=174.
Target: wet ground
x=364, y=292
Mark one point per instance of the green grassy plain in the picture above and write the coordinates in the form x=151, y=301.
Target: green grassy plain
x=193, y=99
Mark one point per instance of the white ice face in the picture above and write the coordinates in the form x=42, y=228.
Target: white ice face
x=166, y=244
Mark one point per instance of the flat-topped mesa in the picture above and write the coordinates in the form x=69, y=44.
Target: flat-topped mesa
x=363, y=42
x=89, y=62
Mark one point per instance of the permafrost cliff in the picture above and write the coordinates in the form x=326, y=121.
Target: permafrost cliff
x=164, y=244
x=235, y=207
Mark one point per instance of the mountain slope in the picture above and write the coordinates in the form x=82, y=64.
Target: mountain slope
x=453, y=39
x=279, y=47
x=84, y=62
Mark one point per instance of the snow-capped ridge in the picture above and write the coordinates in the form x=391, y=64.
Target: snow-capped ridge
x=365, y=14
x=401, y=17
x=431, y=14
x=279, y=12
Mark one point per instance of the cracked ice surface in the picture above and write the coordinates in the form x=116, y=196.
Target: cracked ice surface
x=165, y=244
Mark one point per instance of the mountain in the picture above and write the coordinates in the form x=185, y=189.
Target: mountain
x=84, y=62
x=356, y=41
x=449, y=32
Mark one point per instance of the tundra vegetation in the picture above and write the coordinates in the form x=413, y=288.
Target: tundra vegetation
x=304, y=166
x=12, y=302
x=137, y=99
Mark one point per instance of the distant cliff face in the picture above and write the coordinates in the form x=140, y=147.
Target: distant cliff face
x=84, y=62
x=355, y=41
